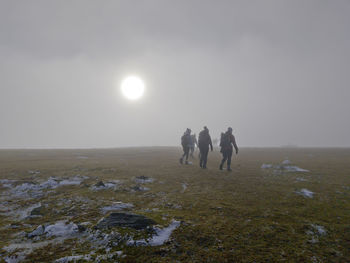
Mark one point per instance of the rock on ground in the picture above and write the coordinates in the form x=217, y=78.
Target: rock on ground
x=125, y=220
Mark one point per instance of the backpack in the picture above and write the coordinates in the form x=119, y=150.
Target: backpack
x=185, y=140
x=225, y=140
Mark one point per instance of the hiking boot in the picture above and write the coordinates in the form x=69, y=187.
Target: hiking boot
x=186, y=162
x=229, y=168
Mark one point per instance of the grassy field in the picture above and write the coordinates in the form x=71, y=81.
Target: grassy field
x=247, y=215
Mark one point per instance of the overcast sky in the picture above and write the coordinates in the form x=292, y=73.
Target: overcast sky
x=278, y=72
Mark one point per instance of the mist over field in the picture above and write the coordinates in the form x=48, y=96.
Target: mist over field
x=276, y=71
x=100, y=102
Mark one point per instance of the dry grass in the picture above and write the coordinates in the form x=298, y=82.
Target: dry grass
x=248, y=215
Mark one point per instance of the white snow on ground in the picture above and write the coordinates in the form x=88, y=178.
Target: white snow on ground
x=61, y=229
x=56, y=234
x=286, y=162
x=162, y=235
x=36, y=189
x=108, y=185
x=266, y=166
x=17, y=212
x=23, y=213
x=292, y=168
x=284, y=167
x=14, y=259
x=34, y=172
x=320, y=229
x=143, y=180
x=316, y=232
x=37, y=232
x=184, y=187
x=73, y=181
x=306, y=193
x=26, y=248
x=159, y=238
x=7, y=182
x=116, y=206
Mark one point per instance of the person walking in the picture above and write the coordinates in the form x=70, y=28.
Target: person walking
x=186, y=142
x=204, y=141
x=226, y=142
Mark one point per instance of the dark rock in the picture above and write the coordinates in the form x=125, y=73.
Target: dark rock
x=81, y=228
x=38, y=211
x=100, y=184
x=139, y=188
x=125, y=220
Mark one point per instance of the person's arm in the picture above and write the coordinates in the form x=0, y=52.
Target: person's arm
x=210, y=143
x=234, y=143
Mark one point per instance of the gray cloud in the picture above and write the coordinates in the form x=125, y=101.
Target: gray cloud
x=276, y=71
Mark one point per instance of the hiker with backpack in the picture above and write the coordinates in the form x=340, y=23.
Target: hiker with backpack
x=194, y=143
x=204, y=141
x=186, y=142
x=226, y=142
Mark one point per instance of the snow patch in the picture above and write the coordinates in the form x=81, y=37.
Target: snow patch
x=37, y=232
x=159, y=238
x=266, y=166
x=184, y=187
x=306, y=193
x=105, y=186
x=116, y=206
x=284, y=167
x=33, y=172
x=35, y=190
x=292, y=168
x=315, y=232
x=14, y=258
x=143, y=179
x=61, y=229
x=320, y=229
x=7, y=183
x=73, y=181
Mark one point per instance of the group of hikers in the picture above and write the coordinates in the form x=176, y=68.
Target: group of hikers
x=189, y=142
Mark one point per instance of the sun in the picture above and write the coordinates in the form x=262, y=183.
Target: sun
x=133, y=87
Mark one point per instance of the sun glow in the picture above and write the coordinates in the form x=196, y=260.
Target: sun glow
x=133, y=87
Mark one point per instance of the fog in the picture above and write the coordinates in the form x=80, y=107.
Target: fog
x=277, y=72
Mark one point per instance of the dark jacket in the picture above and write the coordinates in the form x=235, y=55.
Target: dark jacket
x=186, y=140
x=226, y=142
x=204, y=139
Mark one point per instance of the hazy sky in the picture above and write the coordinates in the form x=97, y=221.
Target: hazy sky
x=278, y=72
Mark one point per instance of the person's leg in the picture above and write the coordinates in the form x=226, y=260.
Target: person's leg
x=183, y=155
x=205, y=157
x=187, y=151
x=229, y=157
x=224, y=158
x=201, y=157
